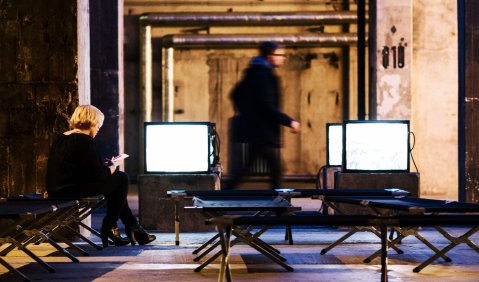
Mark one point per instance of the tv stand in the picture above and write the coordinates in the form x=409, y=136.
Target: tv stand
x=408, y=181
x=157, y=211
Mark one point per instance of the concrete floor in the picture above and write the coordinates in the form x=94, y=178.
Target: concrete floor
x=163, y=261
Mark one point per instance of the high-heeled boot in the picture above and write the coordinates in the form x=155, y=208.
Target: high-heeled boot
x=113, y=234
x=136, y=233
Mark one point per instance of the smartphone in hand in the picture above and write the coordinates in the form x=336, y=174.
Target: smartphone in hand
x=114, y=160
x=119, y=158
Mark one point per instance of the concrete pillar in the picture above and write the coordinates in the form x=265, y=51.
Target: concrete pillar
x=169, y=87
x=146, y=88
x=469, y=103
x=83, y=21
x=434, y=102
x=106, y=50
x=393, y=60
x=40, y=73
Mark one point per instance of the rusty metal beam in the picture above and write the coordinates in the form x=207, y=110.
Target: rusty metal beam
x=253, y=40
x=248, y=19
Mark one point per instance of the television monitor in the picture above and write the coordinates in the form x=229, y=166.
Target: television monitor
x=179, y=147
x=334, y=144
x=376, y=146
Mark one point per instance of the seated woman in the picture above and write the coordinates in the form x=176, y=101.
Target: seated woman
x=76, y=170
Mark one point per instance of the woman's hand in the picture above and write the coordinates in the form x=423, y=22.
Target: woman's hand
x=111, y=165
x=112, y=168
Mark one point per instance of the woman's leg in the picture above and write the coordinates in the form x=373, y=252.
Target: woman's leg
x=119, y=209
x=116, y=192
x=127, y=217
x=115, y=189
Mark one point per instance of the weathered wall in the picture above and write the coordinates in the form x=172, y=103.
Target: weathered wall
x=105, y=71
x=435, y=96
x=394, y=59
x=38, y=86
x=312, y=93
x=45, y=73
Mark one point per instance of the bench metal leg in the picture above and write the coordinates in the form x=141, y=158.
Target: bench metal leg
x=288, y=234
x=207, y=251
x=352, y=232
x=216, y=255
x=454, y=242
x=204, y=245
x=384, y=253
x=246, y=237
x=225, y=239
x=91, y=243
x=55, y=245
x=339, y=241
x=177, y=223
x=34, y=257
x=404, y=232
x=13, y=270
x=461, y=239
x=69, y=243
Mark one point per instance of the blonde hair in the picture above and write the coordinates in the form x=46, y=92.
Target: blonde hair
x=85, y=117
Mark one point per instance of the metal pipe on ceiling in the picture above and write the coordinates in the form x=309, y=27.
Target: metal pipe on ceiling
x=253, y=40
x=150, y=20
x=132, y=4
x=248, y=19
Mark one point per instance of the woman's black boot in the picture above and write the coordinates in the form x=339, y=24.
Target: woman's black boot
x=113, y=234
x=136, y=233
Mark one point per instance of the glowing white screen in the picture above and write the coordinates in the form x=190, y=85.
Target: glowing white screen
x=377, y=146
x=335, y=144
x=176, y=148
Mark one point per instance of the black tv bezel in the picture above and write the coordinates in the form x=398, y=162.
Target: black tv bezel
x=211, y=127
x=344, y=166
x=328, y=126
